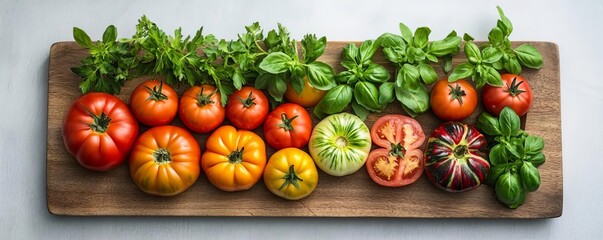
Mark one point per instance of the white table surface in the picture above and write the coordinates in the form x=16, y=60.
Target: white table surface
x=28, y=28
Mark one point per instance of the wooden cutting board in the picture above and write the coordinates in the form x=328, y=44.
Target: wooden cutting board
x=72, y=190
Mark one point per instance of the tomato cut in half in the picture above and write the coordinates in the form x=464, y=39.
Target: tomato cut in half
x=395, y=129
x=395, y=169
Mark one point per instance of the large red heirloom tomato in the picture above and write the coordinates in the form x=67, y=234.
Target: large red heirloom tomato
x=400, y=161
x=165, y=161
x=99, y=130
x=288, y=125
x=454, y=159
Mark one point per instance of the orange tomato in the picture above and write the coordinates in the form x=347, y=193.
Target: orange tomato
x=154, y=103
x=308, y=97
x=165, y=161
x=234, y=160
x=200, y=109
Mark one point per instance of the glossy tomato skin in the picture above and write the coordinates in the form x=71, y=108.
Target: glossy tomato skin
x=165, y=161
x=247, y=108
x=308, y=97
x=234, y=160
x=515, y=93
x=288, y=125
x=154, y=103
x=99, y=150
x=400, y=161
x=453, y=101
x=291, y=174
x=200, y=109
x=454, y=158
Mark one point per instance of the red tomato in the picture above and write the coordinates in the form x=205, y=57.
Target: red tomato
x=453, y=101
x=515, y=93
x=247, y=108
x=200, y=109
x=154, y=103
x=288, y=125
x=99, y=131
x=399, y=162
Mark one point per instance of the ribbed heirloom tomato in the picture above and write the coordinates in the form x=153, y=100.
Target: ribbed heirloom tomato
x=200, y=109
x=515, y=93
x=453, y=101
x=165, y=161
x=247, y=108
x=99, y=130
x=291, y=174
x=288, y=125
x=154, y=103
x=400, y=161
x=234, y=160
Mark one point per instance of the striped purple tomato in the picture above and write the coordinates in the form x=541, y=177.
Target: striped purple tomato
x=454, y=160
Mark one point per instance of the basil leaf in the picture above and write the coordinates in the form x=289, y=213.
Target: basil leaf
x=298, y=84
x=411, y=76
x=350, y=65
x=81, y=38
x=376, y=73
x=488, y=124
x=463, y=70
x=393, y=54
x=334, y=101
x=498, y=155
x=467, y=37
x=350, y=53
x=416, y=99
x=367, y=95
x=277, y=88
x=494, y=173
x=406, y=33
x=346, y=77
x=491, y=55
x=498, y=65
x=473, y=54
x=496, y=37
x=359, y=110
x=512, y=65
x=276, y=62
x=367, y=50
x=505, y=21
x=533, y=144
x=447, y=64
x=537, y=159
x=530, y=177
x=389, y=40
x=529, y=56
x=264, y=80
x=427, y=73
x=386, y=93
x=492, y=77
x=238, y=80
x=110, y=34
x=509, y=122
x=512, y=150
x=421, y=37
x=509, y=190
x=431, y=57
x=321, y=75
x=312, y=47
x=445, y=46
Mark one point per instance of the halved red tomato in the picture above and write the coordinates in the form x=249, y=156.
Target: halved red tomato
x=400, y=161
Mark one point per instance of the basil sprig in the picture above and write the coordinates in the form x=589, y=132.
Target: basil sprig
x=496, y=55
x=359, y=84
x=514, y=158
x=412, y=54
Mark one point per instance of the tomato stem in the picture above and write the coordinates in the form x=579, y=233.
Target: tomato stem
x=156, y=94
x=205, y=99
x=236, y=156
x=162, y=156
x=460, y=151
x=287, y=122
x=291, y=178
x=249, y=101
x=100, y=124
x=514, y=88
x=456, y=93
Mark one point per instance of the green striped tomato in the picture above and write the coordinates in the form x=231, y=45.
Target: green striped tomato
x=340, y=144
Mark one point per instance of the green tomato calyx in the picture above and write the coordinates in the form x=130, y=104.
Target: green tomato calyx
x=291, y=178
x=249, y=102
x=460, y=151
x=287, y=123
x=205, y=99
x=397, y=150
x=456, y=93
x=156, y=93
x=99, y=124
x=236, y=156
x=514, y=88
x=162, y=156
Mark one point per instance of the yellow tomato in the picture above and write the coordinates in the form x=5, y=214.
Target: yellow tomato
x=234, y=160
x=291, y=174
x=308, y=97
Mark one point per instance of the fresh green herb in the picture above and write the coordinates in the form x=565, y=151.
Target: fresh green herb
x=108, y=65
x=483, y=66
x=358, y=83
x=412, y=55
x=514, y=157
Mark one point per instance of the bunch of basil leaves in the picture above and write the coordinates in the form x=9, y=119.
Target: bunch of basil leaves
x=412, y=55
x=357, y=84
x=514, y=158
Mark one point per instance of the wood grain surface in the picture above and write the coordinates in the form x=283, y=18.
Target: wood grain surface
x=72, y=190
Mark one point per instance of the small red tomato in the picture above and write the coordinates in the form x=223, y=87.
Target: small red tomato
x=515, y=93
x=154, y=103
x=200, y=109
x=453, y=101
x=288, y=125
x=247, y=108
